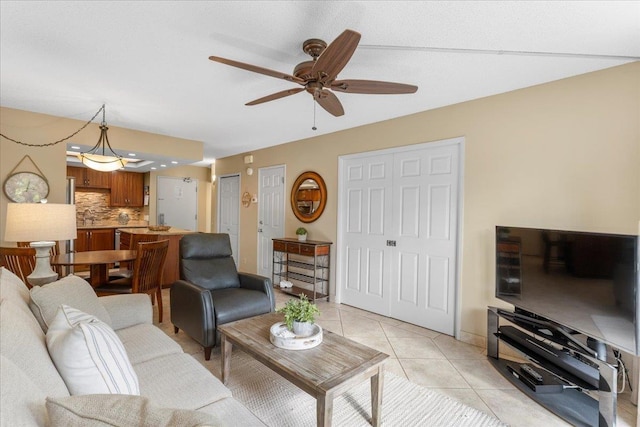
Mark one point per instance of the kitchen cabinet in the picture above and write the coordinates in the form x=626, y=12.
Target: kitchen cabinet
x=94, y=239
x=127, y=189
x=89, y=178
x=306, y=263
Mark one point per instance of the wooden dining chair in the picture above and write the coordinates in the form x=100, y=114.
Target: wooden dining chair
x=125, y=269
x=55, y=250
x=147, y=274
x=20, y=261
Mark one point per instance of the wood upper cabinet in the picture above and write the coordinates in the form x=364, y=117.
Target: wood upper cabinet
x=89, y=178
x=127, y=189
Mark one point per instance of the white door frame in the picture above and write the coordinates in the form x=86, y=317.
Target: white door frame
x=341, y=217
x=239, y=175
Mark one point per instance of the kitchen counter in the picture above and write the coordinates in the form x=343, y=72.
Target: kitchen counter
x=112, y=224
x=144, y=230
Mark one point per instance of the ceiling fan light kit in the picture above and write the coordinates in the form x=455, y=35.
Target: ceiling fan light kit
x=318, y=76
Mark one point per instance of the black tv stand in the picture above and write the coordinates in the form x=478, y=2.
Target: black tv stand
x=562, y=373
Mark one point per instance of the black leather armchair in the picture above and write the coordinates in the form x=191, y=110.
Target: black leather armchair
x=211, y=292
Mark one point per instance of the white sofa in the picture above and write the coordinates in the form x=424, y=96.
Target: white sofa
x=174, y=387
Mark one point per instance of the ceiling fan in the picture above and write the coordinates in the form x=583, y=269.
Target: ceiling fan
x=318, y=76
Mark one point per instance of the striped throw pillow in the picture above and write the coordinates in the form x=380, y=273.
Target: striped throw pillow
x=89, y=355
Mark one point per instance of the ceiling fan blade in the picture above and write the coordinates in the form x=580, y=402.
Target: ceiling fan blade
x=329, y=102
x=256, y=69
x=336, y=55
x=372, y=87
x=274, y=96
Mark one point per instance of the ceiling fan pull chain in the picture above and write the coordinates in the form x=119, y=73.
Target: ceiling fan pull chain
x=314, y=115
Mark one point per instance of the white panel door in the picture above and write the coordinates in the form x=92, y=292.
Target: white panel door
x=271, y=205
x=229, y=211
x=398, y=239
x=177, y=202
x=367, y=200
x=425, y=213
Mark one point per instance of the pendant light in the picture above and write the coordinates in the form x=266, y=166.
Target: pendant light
x=99, y=161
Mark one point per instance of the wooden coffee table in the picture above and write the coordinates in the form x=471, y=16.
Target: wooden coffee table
x=325, y=371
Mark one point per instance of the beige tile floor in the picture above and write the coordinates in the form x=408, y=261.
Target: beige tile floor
x=428, y=358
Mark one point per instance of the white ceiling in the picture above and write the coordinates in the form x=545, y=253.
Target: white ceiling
x=148, y=60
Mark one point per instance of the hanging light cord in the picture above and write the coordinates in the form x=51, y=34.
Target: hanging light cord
x=60, y=140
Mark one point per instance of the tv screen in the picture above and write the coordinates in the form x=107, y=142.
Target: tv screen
x=587, y=282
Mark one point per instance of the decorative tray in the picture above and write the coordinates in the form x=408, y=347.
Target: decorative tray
x=159, y=227
x=282, y=337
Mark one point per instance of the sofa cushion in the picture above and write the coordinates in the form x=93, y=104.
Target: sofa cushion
x=72, y=291
x=23, y=342
x=21, y=393
x=128, y=310
x=89, y=355
x=120, y=410
x=179, y=381
x=145, y=342
x=12, y=286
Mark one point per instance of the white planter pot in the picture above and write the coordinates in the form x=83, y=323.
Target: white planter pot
x=302, y=237
x=303, y=329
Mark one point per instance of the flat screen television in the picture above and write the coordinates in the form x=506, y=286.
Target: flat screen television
x=587, y=283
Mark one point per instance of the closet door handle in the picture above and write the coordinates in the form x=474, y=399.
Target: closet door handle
x=391, y=242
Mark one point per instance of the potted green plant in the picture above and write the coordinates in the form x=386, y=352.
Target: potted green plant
x=300, y=315
x=301, y=232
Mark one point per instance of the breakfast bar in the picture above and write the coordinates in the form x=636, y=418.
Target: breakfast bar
x=172, y=265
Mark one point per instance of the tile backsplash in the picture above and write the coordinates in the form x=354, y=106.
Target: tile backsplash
x=98, y=202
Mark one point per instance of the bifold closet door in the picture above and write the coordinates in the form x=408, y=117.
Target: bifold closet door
x=399, y=234
x=367, y=224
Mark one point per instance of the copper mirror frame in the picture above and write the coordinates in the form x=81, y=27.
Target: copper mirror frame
x=308, y=196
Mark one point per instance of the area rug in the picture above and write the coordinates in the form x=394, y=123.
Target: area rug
x=279, y=403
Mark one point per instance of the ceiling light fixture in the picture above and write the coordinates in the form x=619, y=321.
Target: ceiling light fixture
x=101, y=162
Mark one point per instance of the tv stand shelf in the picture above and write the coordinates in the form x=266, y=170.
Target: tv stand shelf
x=580, y=374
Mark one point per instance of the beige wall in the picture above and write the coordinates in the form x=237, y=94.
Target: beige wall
x=561, y=155
x=40, y=129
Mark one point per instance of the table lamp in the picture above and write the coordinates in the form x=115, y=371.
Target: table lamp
x=41, y=224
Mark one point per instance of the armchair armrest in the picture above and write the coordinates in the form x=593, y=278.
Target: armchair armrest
x=128, y=310
x=258, y=283
x=192, y=311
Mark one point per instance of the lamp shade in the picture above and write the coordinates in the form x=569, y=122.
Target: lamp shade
x=30, y=222
x=102, y=163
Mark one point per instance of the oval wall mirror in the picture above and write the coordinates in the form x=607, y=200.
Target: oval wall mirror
x=308, y=196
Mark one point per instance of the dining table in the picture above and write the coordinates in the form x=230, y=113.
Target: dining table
x=98, y=262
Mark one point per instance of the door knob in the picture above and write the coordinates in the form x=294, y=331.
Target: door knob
x=259, y=230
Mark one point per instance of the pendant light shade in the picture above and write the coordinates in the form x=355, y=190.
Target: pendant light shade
x=96, y=157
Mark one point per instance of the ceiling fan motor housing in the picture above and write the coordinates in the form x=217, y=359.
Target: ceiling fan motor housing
x=303, y=70
x=314, y=47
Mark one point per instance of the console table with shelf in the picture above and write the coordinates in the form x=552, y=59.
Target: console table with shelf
x=303, y=263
